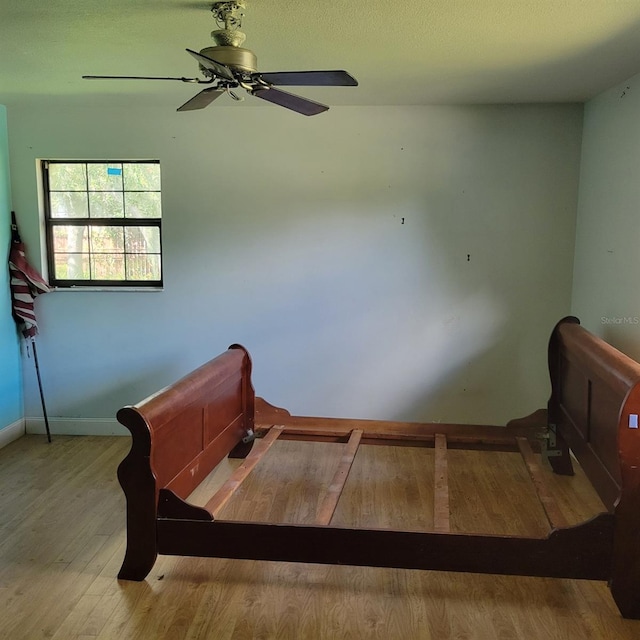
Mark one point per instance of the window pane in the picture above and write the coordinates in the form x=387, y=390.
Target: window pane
x=70, y=239
x=142, y=239
x=141, y=177
x=67, y=177
x=107, y=240
x=107, y=266
x=72, y=266
x=105, y=177
x=141, y=267
x=106, y=204
x=69, y=204
x=142, y=204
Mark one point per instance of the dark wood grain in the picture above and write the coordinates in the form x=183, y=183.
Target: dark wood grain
x=138, y=483
x=576, y=552
x=625, y=572
x=590, y=380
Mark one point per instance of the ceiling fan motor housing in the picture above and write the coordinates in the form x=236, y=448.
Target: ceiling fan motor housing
x=235, y=58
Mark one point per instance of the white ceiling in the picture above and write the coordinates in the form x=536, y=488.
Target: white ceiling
x=411, y=52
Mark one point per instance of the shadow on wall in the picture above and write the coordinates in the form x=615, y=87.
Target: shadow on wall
x=398, y=271
x=623, y=332
x=368, y=297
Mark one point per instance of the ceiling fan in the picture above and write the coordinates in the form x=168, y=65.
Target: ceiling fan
x=227, y=66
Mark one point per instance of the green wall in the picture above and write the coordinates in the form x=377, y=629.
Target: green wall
x=10, y=369
x=606, y=297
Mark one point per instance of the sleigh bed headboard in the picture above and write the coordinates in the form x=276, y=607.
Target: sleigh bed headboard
x=188, y=427
x=594, y=405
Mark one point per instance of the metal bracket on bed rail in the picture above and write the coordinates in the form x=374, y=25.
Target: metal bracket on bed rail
x=250, y=437
x=549, y=447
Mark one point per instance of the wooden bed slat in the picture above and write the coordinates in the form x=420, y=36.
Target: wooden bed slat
x=327, y=508
x=223, y=495
x=441, y=486
x=552, y=511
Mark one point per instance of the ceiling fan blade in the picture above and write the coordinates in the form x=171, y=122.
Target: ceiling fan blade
x=218, y=69
x=310, y=78
x=138, y=78
x=290, y=101
x=201, y=100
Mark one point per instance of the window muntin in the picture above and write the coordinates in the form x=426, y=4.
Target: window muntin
x=103, y=223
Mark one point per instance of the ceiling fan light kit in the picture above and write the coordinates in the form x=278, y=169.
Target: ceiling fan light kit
x=228, y=66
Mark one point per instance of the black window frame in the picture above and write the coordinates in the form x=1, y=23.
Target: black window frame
x=52, y=222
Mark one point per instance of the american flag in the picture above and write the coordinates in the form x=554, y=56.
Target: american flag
x=25, y=283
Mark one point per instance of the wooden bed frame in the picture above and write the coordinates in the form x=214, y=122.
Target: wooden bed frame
x=182, y=432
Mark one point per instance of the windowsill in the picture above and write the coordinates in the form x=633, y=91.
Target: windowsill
x=111, y=289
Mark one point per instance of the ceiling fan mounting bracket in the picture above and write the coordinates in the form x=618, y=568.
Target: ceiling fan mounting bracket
x=228, y=17
x=228, y=13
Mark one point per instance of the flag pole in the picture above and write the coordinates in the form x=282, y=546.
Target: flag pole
x=44, y=408
x=15, y=236
x=30, y=330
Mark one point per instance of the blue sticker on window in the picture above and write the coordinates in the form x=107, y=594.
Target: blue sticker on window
x=114, y=171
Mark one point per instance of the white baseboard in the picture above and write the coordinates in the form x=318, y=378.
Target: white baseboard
x=77, y=426
x=12, y=432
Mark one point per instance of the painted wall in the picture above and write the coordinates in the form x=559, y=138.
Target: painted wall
x=11, y=409
x=379, y=262
x=606, y=295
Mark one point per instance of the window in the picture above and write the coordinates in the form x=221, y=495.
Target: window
x=103, y=223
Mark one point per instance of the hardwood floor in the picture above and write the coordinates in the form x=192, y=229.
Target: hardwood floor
x=62, y=542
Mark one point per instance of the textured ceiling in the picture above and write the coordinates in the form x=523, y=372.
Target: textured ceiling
x=411, y=52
